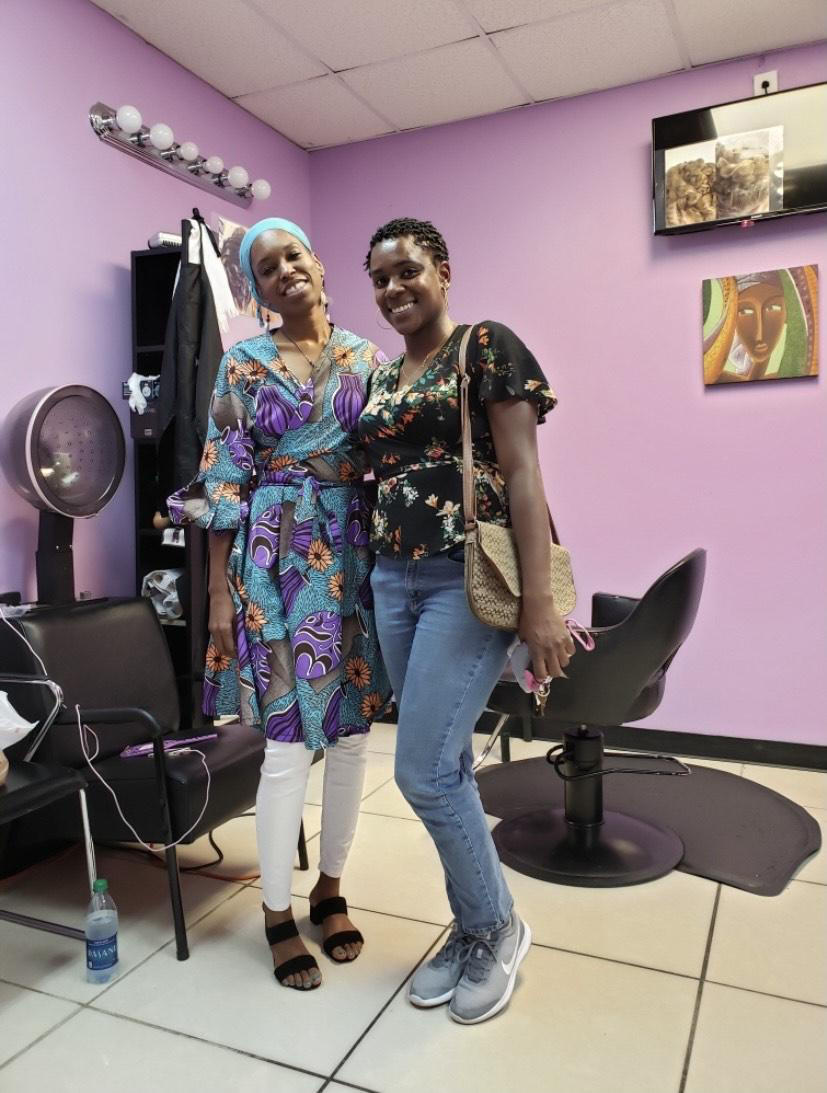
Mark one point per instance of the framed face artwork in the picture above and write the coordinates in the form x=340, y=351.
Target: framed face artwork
x=761, y=326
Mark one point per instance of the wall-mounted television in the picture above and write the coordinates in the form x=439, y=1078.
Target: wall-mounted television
x=753, y=159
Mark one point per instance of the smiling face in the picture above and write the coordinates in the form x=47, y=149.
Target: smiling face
x=760, y=319
x=288, y=276
x=409, y=287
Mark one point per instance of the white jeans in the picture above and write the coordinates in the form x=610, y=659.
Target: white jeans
x=279, y=804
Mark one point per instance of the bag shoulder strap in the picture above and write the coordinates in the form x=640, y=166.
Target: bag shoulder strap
x=469, y=493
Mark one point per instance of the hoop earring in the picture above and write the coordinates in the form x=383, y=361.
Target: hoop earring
x=379, y=313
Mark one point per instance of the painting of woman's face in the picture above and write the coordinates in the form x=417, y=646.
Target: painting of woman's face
x=760, y=318
x=761, y=326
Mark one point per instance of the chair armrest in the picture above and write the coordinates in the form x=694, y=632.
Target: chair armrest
x=609, y=610
x=119, y=715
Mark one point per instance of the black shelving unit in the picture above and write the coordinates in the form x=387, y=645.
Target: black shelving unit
x=153, y=280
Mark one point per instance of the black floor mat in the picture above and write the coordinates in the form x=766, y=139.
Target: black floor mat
x=734, y=830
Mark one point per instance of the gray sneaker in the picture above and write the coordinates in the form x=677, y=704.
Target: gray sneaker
x=435, y=982
x=490, y=972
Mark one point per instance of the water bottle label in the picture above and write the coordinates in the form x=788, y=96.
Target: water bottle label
x=102, y=953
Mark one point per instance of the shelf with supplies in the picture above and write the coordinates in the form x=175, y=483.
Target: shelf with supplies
x=183, y=550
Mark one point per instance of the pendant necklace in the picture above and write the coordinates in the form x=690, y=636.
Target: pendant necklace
x=313, y=364
x=427, y=360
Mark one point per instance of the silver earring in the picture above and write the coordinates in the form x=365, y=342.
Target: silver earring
x=378, y=323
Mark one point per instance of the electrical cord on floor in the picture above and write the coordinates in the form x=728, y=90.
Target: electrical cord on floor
x=199, y=870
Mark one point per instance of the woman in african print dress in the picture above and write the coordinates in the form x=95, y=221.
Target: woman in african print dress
x=293, y=645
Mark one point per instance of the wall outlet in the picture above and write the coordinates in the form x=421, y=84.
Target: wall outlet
x=764, y=83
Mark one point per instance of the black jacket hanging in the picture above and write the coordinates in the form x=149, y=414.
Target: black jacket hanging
x=192, y=354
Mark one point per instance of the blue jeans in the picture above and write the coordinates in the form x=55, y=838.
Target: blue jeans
x=443, y=664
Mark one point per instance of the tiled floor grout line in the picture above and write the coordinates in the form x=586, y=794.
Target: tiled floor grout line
x=43, y=1035
x=125, y=975
x=768, y=994
x=39, y=990
x=612, y=960
x=699, y=994
x=346, y=1085
x=212, y=1043
x=389, y=816
x=170, y=941
x=236, y=887
x=371, y=1024
x=368, y=796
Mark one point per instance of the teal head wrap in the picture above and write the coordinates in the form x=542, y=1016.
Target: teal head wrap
x=272, y=223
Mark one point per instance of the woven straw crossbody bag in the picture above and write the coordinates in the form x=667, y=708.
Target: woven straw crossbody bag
x=492, y=563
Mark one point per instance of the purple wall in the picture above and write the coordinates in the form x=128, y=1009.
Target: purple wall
x=73, y=209
x=547, y=215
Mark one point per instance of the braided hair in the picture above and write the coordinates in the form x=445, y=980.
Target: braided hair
x=421, y=231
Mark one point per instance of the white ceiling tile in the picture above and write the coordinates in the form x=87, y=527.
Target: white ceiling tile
x=347, y=33
x=457, y=81
x=500, y=14
x=589, y=51
x=223, y=41
x=715, y=30
x=315, y=113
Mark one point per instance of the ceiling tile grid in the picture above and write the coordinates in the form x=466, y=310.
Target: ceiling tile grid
x=227, y=44
x=456, y=81
x=716, y=30
x=330, y=72
x=348, y=33
x=505, y=14
x=592, y=50
x=316, y=113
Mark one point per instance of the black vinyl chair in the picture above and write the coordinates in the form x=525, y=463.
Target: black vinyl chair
x=111, y=659
x=28, y=788
x=622, y=679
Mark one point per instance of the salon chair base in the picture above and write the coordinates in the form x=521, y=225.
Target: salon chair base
x=620, y=850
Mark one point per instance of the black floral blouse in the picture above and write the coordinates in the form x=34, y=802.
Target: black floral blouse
x=413, y=440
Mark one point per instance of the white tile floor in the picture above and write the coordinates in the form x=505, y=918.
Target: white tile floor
x=678, y=986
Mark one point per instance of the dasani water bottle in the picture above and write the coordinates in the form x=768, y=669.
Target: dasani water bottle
x=101, y=935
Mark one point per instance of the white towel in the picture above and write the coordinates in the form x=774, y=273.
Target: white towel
x=202, y=251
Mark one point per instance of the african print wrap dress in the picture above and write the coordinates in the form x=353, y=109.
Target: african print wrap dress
x=281, y=470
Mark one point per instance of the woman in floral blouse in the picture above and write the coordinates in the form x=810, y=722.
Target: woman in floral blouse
x=293, y=649
x=443, y=662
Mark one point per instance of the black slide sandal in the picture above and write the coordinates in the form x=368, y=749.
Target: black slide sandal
x=336, y=905
x=283, y=932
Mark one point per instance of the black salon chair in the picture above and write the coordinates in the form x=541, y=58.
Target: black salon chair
x=111, y=659
x=622, y=679
x=27, y=788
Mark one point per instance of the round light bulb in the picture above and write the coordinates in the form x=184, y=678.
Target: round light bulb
x=188, y=151
x=215, y=165
x=261, y=189
x=161, y=136
x=238, y=178
x=129, y=119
